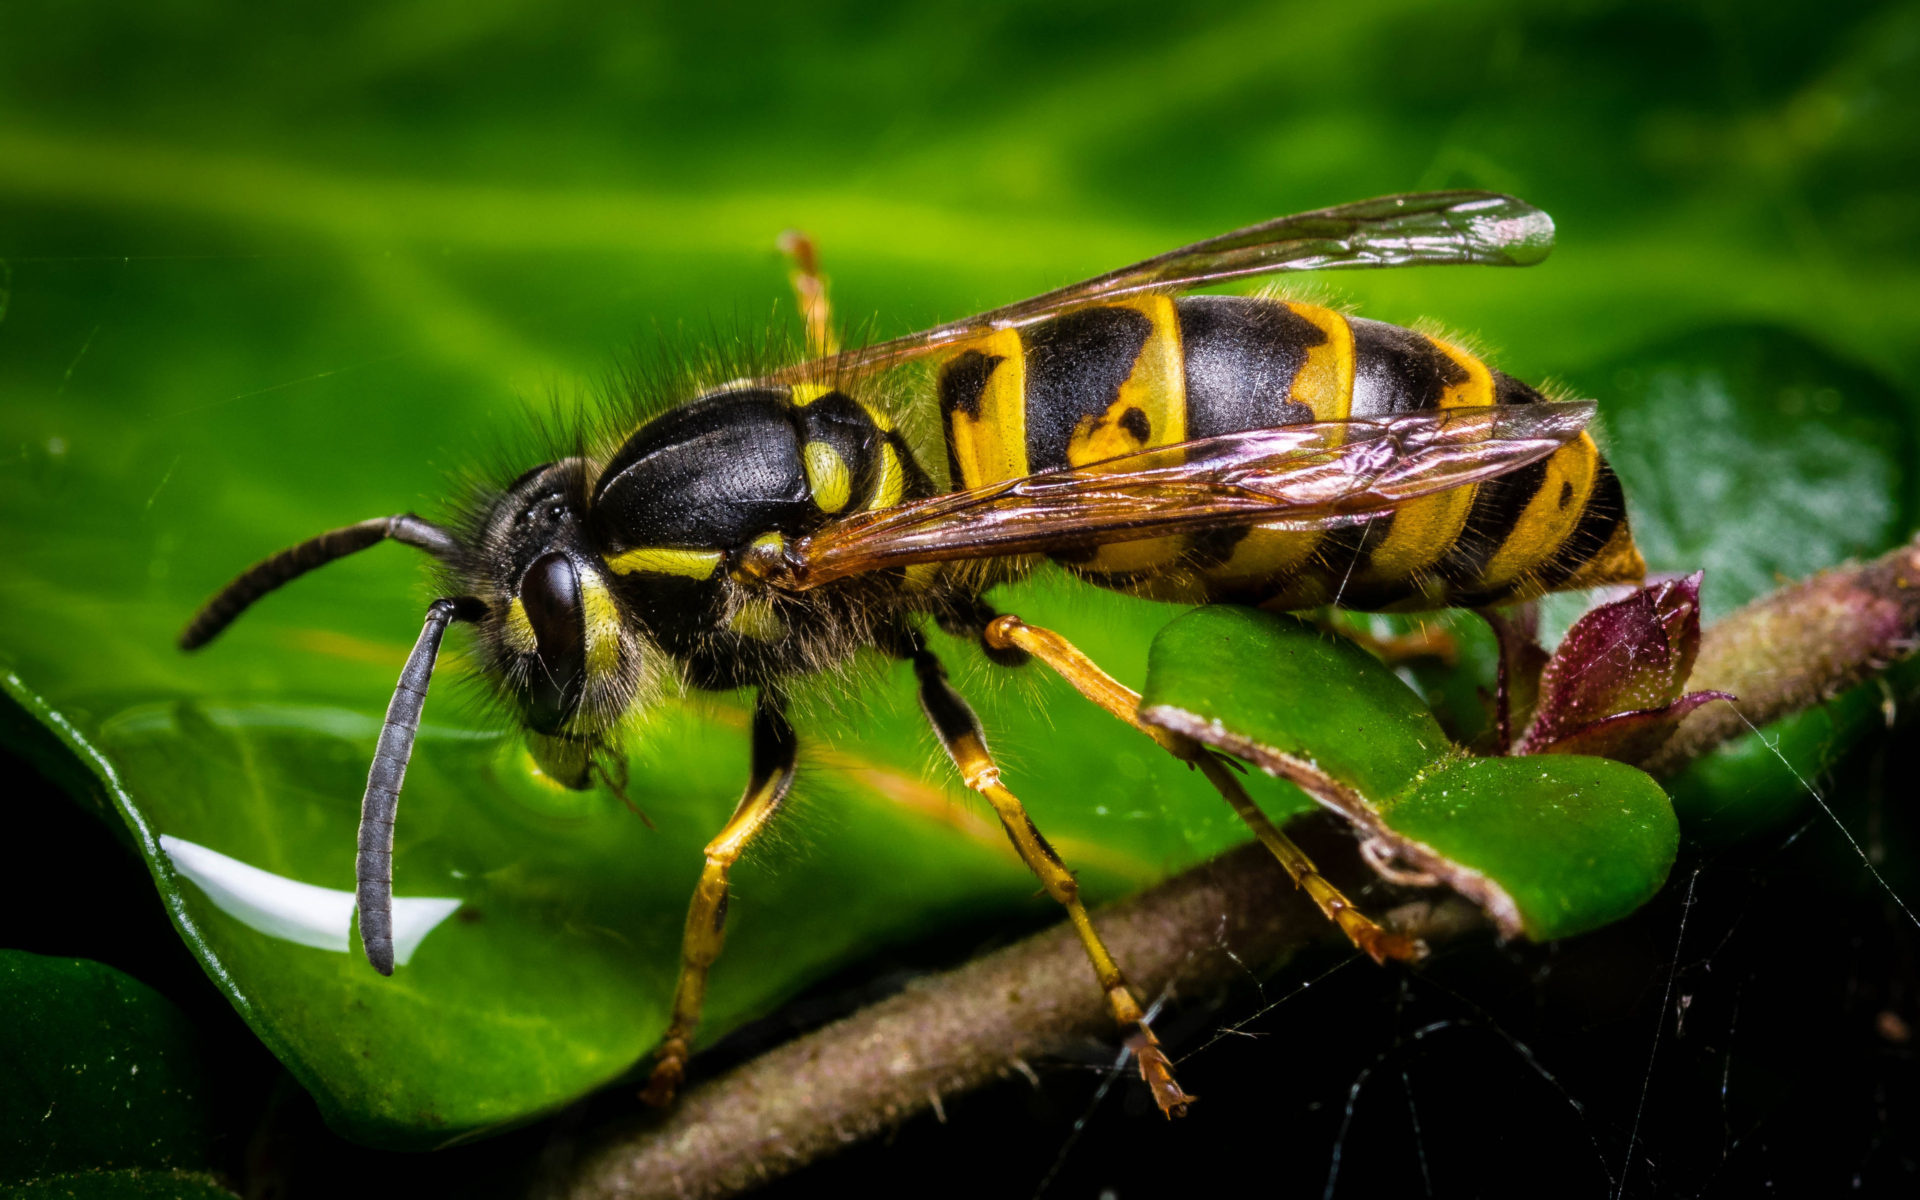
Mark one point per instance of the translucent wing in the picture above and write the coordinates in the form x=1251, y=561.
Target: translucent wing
x=1427, y=227
x=1310, y=476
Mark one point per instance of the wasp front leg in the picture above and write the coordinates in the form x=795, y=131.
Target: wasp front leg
x=1008, y=633
x=959, y=732
x=774, y=752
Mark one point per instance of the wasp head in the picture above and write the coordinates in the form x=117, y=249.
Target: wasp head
x=556, y=637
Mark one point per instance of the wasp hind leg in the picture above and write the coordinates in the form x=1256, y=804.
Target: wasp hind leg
x=1007, y=633
x=774, y=753
x=810, y=293
x=959, y=732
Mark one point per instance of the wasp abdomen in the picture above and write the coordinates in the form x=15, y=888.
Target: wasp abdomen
x=1107, y=380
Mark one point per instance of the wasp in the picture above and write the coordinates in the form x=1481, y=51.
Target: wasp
x=1188, y=448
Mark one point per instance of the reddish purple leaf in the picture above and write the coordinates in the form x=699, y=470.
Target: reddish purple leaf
x=1622, y=666
x=1629, y=737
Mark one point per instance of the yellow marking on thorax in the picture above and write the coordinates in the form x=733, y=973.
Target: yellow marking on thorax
x=918, y=577
x=827, y=475
x=755, y=618
x=806, y=393
x=665, y=560
x=880, y=419
x=603, y=626
x=520, y=637
x=891, y=486
x=993, y=446
x=1324, y=382
x=1157, y=388
x=1424, y=529
x=1546, y=520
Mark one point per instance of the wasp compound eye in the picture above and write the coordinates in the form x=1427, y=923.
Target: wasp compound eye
x=550, y=592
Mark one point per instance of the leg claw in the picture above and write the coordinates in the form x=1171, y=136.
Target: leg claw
x=664, y=1082
x=1157, y=1070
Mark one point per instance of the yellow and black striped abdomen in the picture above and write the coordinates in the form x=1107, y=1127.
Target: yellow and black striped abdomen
x=1108, y=380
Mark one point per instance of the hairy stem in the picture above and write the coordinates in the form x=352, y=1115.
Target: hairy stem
x=1800, y=646
x=952, y=1032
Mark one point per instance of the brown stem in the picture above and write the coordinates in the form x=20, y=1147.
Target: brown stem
x=953, y=1032
x=1800, y=646
x=956, y=1031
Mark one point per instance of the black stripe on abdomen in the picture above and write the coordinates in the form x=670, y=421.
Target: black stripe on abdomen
x=1241, y=358
x=1075, y=366
x=1606, y=509
x=1497, y=507
x=1396, y=370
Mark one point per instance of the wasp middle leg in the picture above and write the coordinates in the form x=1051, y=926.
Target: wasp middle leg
x=1006, y=633
x=959, y=732
x=774, y=752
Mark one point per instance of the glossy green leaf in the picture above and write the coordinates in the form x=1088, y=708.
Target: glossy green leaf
x=1574, y=842
x=101, y=1071
x=1549, y=846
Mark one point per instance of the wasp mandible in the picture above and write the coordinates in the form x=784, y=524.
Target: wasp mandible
x=1195, y=449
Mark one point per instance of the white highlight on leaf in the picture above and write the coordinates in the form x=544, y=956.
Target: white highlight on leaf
x=302, y=913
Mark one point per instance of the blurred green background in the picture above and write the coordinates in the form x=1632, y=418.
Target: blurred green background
x=266, y=270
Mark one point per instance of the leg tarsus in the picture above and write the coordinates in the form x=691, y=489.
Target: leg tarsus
x=774, y=754
x=960, y=733
x=1067, y=660
x=669, y=1072
x=1156, y=1069
x=1376, y=942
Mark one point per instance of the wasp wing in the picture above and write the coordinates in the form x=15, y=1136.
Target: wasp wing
x=1391, y=231
x=1319, y=475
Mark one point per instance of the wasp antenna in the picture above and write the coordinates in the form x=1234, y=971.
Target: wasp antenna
x=373, y=868
x=295, y=561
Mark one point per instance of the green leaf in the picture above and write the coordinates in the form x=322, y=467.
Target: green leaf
x=1572, y=842
x=101, y=1071
x=1548, y=846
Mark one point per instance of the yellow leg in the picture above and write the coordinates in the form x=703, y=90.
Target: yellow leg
x=959, y=731
x=810, y=291
x=1066, y=659
x=773, y=758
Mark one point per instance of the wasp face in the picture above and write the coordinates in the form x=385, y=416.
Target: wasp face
x=558, y=640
